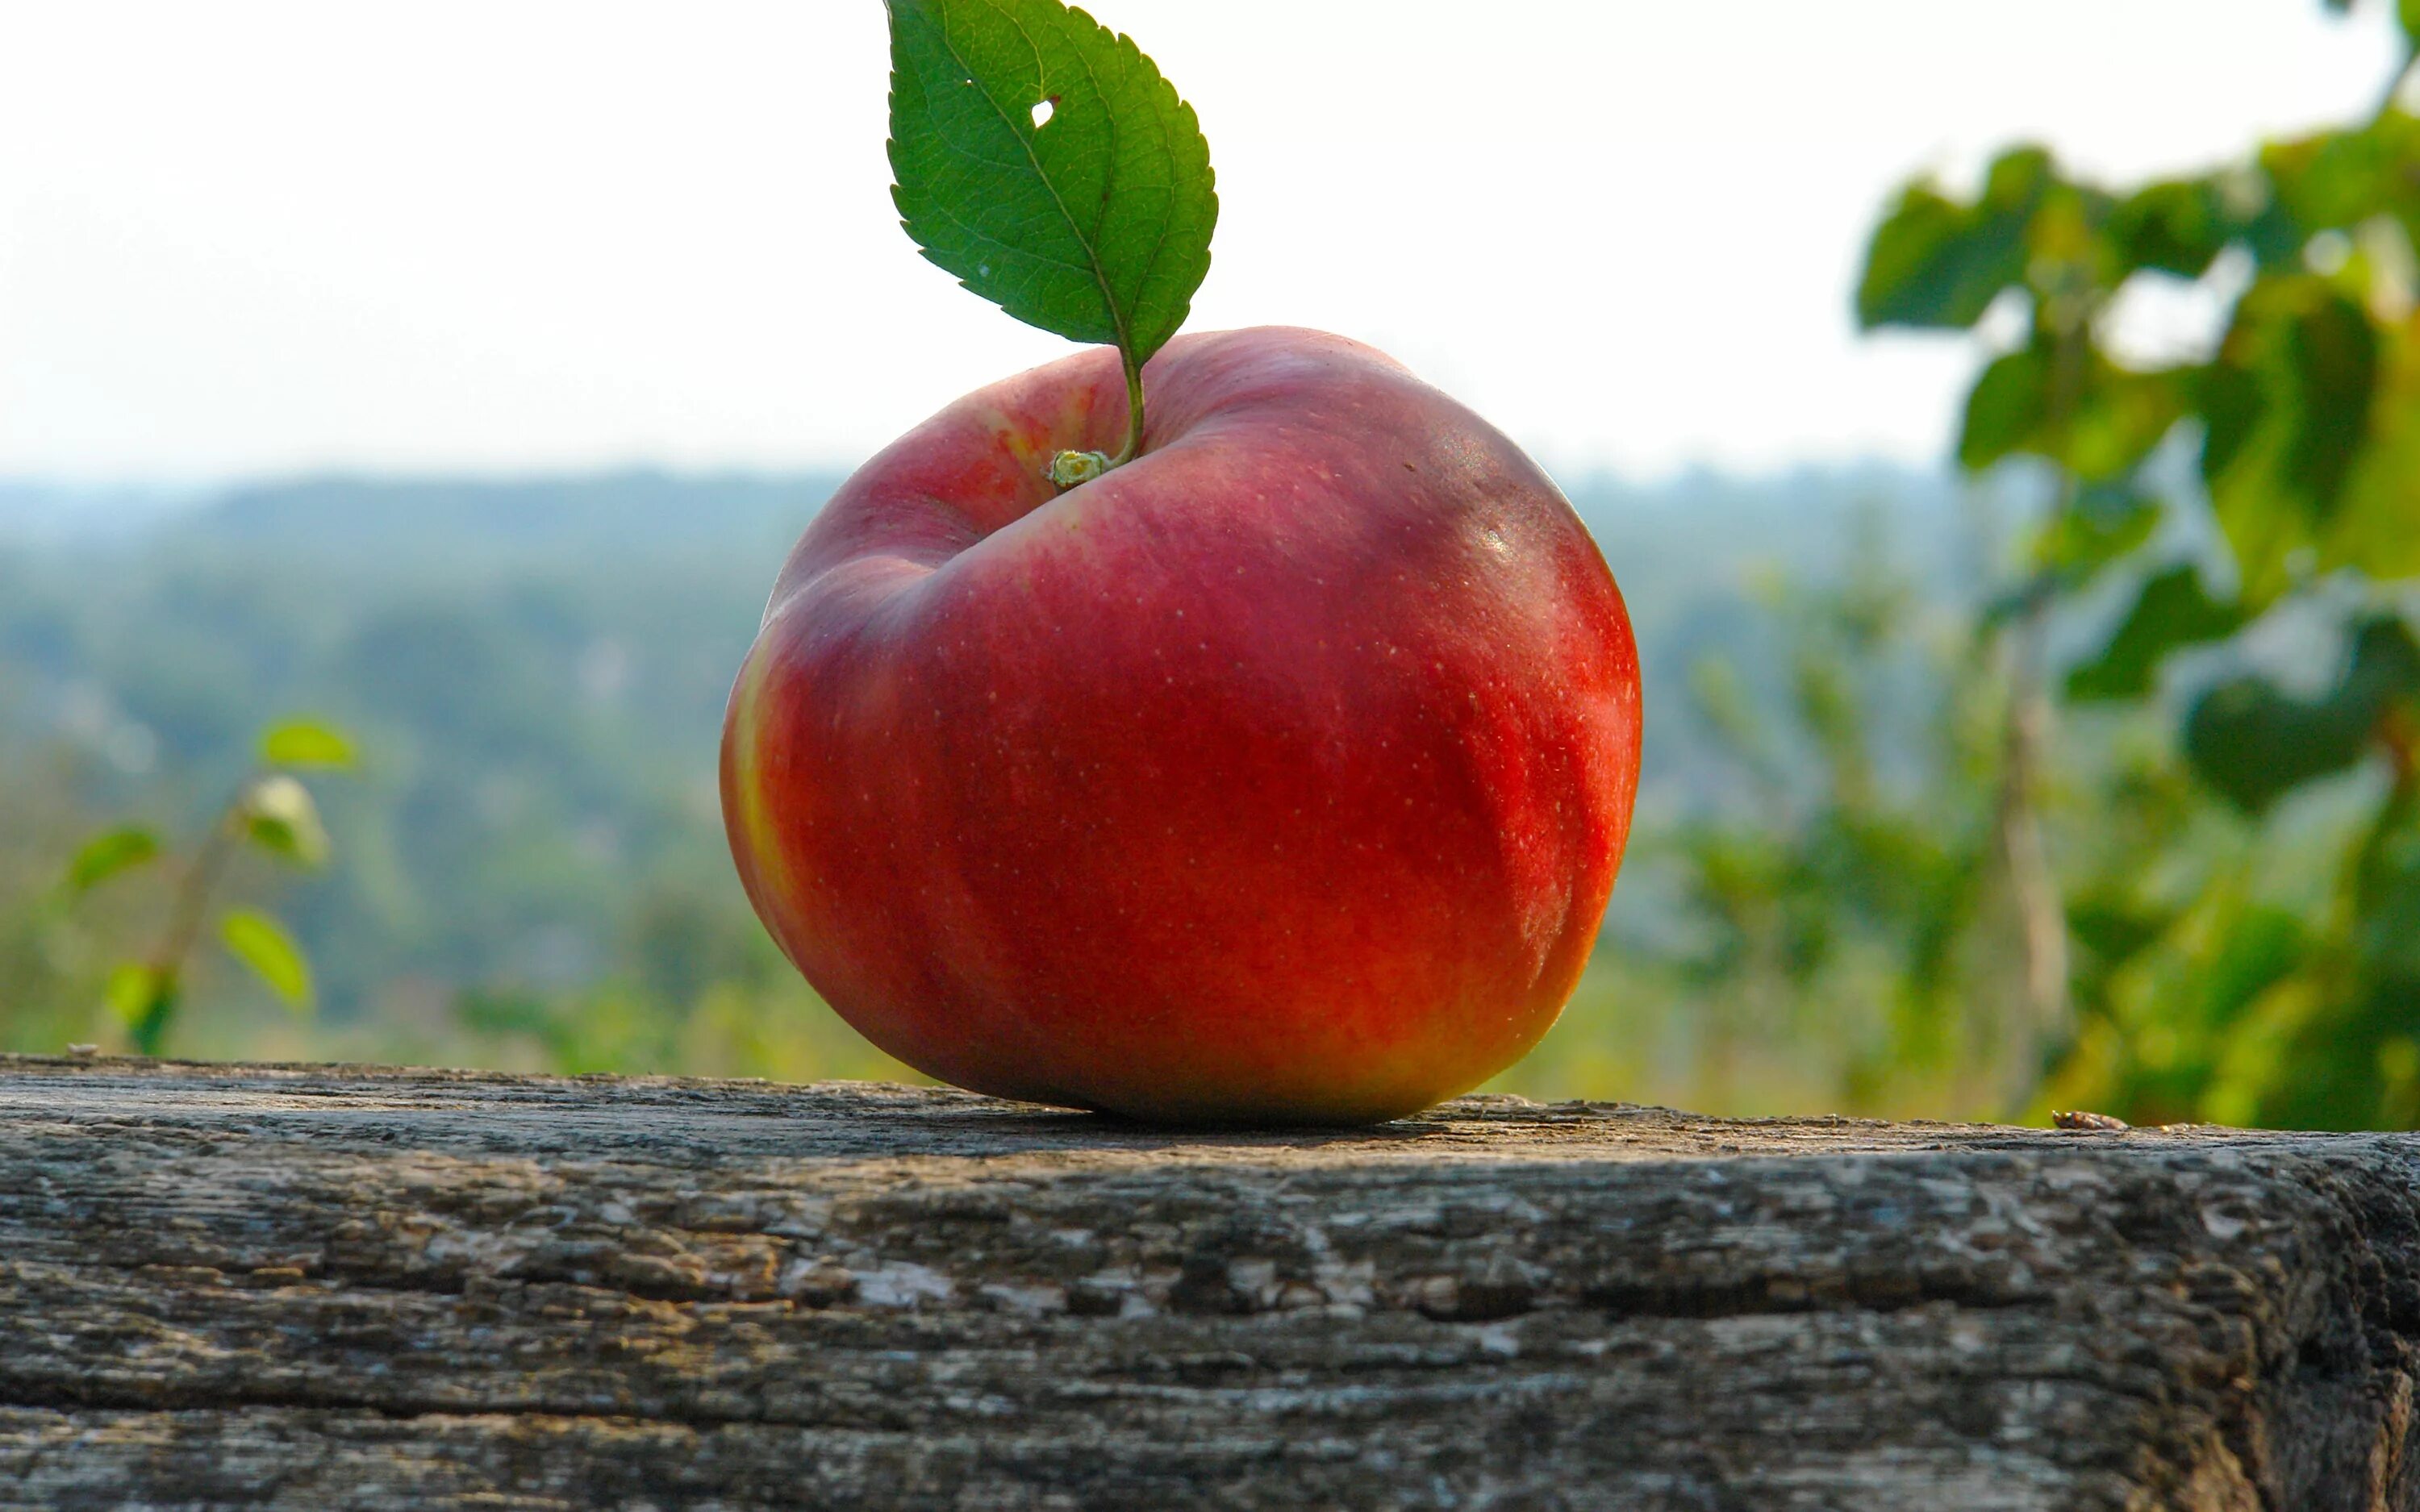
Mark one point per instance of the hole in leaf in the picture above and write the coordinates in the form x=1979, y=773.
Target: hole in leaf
x=1043, y=110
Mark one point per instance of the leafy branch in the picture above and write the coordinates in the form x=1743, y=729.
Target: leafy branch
x=269, y=811
x=2304, y=425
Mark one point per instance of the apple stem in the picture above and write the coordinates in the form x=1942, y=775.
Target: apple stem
x=1134, y=408
x=1068, y=469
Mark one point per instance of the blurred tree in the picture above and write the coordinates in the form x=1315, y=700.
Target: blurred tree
x=1827, y=910
x=1818, y=930
x=2267, y=489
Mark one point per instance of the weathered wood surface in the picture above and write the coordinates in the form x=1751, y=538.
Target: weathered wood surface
x=338, y=1287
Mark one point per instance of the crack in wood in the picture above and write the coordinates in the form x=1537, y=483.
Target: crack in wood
x=313, y=1286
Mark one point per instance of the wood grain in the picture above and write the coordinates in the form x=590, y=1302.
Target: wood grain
x=345, y=1286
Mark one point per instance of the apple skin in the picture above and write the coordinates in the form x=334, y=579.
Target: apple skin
x=1276, y=777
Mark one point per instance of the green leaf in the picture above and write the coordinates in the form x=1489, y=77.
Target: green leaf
x=2116, y=927
x=1938, y=264
x=2291, y=405
x=262, y=943
x=2119, y=416
x=144, y=998
x=2255, y=743
x=2258, y=948
x=136, y=991
x=2105, y=524
x=108, y=853
x=1095, y=225
x=2337, y=180
x=2113, y=416
x=304, y=744
x=2333, y=354
x=2371, y=530
x=2389, y=931
x=2005, y=408
x=279, y=817
x=2385, y=661
x=2229, y=398
x=2173, y=612
x=2178, y=227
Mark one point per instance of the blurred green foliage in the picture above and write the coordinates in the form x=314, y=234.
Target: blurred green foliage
x=2233, y=500
x=532, y=676
x=1828, y=929
x=2092, y=780
x=529, y=867
x=272, y=813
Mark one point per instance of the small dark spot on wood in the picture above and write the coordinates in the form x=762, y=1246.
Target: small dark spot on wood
x=1205, y=1286
x=1086, y=1298
x=396, y=1290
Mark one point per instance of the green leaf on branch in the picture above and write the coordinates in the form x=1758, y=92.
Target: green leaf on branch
x=2255, y=743
x=109, y=853
x=2280, y=537
x=2174, y=611
x=2112, y=418
x=301, y=743
x=278, y=816
x=2230, y=402
x=144, y=998
x=1041, y=159
x=2120, y=417
x=1935, y=263
x=2336, y=180
x=2332, y=355
x=2178, y=227
x=134, y=991
x=262, y=943
x=2005, y=408
x=2290, y=405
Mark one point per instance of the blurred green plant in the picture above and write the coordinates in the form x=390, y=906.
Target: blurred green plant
x=270, y=812
x=1828, y=908
x=697, y=986
x=1829, y=934
x=2229, y=500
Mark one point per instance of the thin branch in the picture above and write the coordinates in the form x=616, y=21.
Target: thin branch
x=167, y=960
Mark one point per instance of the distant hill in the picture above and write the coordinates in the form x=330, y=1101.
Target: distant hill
x=537, y=670
x=54, y=513
x=1697, y=521
x=384, y=522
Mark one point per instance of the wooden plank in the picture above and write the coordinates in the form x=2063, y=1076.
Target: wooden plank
x=320, y=1287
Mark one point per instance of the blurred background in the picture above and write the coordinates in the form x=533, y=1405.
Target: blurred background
x=2004, y=421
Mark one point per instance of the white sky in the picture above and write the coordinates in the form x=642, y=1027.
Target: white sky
x=245, y=236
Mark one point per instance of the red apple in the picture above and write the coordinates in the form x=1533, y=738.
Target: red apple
x=1279, y=775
